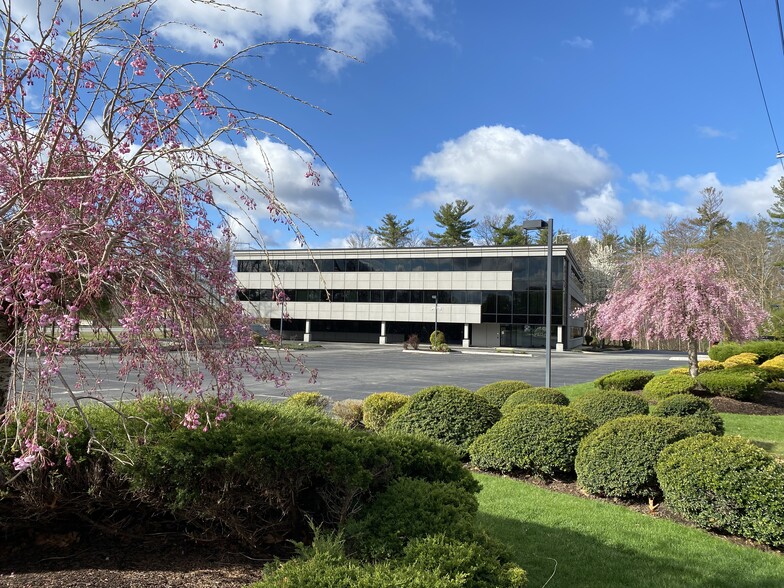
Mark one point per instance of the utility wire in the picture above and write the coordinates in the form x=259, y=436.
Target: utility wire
x=781, y=28
x=759, y=78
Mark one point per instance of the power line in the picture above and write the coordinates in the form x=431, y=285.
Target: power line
x=759, y=78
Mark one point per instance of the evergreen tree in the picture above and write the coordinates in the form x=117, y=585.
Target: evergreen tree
x=457, y=230
x=393, y=232
x=776, y=212
x=639, y=242
x=711, y=221
x=507, y=233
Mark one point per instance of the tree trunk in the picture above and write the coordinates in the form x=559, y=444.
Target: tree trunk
x=693, y=345
x=6, y=362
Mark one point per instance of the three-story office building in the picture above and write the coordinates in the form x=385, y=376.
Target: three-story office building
x=479, y=296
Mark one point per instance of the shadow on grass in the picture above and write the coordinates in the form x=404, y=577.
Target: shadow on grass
x=575, y=559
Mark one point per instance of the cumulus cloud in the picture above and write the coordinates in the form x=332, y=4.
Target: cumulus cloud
x=647, y=184
x=496, y=166
x=356, y=27
x=579, y=42
x=604, y=204
x=658, y=14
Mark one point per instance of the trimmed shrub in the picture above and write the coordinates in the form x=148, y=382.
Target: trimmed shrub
x=695, y=414
x=605, y=405
x=660, y=387
x=539, y=438
x=722, y=351
x=479, y=565
x=309, y=399
x=538, y=395
x=410, y=509
x=378, y=408
x=727, y=484
x=707, y=365
x=626, y=380
x=497, y=392
x=764, y=349
x=349, y=412
x=774, y=367
x=437, y=339
x=738, y=383
x=454, y=416
x=618, y=458
x=741, y=359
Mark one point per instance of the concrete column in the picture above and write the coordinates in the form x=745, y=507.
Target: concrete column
x=382, y=340
x=306, y=337
x=466, y=340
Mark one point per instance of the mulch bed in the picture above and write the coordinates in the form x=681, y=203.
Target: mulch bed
x=62, y=558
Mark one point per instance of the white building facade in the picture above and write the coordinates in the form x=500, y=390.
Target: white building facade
x=480, y=296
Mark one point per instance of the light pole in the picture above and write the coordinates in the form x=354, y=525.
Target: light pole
x=532, y=225
x=435, y=305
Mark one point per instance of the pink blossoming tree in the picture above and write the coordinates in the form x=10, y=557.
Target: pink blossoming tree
x=115, y=207
x=687, y=298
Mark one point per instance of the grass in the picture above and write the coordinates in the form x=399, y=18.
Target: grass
x=588, y=543
x=764, y=431
x=576, y=390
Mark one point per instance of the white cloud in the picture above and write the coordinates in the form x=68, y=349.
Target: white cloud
x=713, y=133
x=499, y=166
x=579, y=42
x=602, y=205
x=656, y=210
x=356, y=27
x=661, y=13
x=644, y=182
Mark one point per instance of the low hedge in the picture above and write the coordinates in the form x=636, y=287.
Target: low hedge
x=696, y=414
x=618, y=458
x=538, y=438
x=539, y=395
x=774, y=367
x=378, y=408
x=497, y=392
x=605, y=405
x=706, y=365
x=626, y=380
x=738, y=383
x=309, y=399
x=448, y=414
x=726, y=484
x=764, y=349
x=722, y=351
x=660, y=387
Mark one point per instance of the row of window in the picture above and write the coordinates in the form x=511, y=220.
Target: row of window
x=523, y=266
x=525, y=302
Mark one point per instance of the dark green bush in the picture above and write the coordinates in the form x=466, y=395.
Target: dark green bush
x=660, y=387
x=618, y=458
x=497, y=392
x=410, y=509
x=534, y=396
x=722, y=351
x=537, y=438
x=727, y=484
x=452, y=558
x=454, y=416
x=605, y=405
x=626, y=380
x=378, y=408
x=695, y=414
x=738, y=383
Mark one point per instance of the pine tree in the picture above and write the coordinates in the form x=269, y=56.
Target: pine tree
x=776, y=212
x=393, y=232
x=710, y=220
x=457, y=230
x=639, y=242
x=508, y=234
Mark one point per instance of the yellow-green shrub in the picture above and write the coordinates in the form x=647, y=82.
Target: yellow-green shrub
x=745, y=358
x=378, y=408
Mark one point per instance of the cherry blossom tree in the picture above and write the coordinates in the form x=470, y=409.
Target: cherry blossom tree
x=687, y=298
x=119, y=182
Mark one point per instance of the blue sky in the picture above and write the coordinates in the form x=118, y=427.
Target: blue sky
x=578, y=111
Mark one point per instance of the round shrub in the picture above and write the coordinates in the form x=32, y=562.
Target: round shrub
x=742, y=359
x=626, y=380
x=737, y=383
x=437, y=339
x=378, y=408
x=722, y=351
x=537, y=438
x=309, y=399
x=661, y=387
x=410, y=509
x=695, y=414
x=454, y=416
x=605, y=405
x=774, y=367
x=727, y=484
x=539, y=395
x=618, y=458
x=348, y=412
x=497, y=392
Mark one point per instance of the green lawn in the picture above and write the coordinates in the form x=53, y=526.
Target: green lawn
x=588, y=543
x=765, y=431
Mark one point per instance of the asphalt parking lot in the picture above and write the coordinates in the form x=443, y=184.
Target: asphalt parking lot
x=353, y=370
